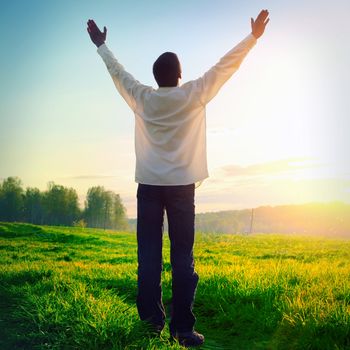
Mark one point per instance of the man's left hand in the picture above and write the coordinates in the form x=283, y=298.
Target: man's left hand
x=96, y=36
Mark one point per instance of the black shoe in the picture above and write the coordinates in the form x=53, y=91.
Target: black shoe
x=188, y=339
x=153, y=330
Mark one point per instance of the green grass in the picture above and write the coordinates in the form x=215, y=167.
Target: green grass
x=72, y=288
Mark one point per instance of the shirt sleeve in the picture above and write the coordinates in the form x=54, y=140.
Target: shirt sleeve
x=128, y=87
x=211, y=82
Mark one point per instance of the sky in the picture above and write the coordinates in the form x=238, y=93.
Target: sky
x=277, y=132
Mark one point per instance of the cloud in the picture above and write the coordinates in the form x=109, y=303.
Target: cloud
x=270, y=168
x=222, y=131
x=88, y=177
x=234, y=195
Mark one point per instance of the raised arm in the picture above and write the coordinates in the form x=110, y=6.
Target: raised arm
x=211, y=82
x=128, y=87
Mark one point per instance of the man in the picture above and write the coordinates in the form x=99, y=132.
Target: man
x=170, y=148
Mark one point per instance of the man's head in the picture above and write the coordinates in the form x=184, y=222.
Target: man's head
x=167, y=70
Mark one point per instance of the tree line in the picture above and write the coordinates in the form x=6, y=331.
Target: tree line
x=59, y=205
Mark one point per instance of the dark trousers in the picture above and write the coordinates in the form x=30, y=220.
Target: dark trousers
x=178, y=202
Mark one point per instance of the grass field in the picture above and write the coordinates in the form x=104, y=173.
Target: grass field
x=72, y=288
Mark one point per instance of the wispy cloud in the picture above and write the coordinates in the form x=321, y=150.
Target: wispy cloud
x=269, y=168
x=88, y=177
x=239, y=194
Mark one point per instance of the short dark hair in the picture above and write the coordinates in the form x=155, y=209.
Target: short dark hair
x=167, y=69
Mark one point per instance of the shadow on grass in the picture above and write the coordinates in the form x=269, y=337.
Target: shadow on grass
x=235, y=317
x=126, y=287
x=118, y=260
x=20, y=278
x=13, y=329
x=12, y=230
x=238, y=317
x=39, y=312
x=41, y=234
x=17, y=328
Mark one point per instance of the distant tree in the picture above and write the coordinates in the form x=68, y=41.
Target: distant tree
x=104, y=209
x=120, y=221
x=95, y=212
x=108, y=209
x=60, y=205
x=80, y=223
x=11, y=199
x=33, y=206
x=72, y=206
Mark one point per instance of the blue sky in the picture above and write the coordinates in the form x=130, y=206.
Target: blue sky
x=286, y=112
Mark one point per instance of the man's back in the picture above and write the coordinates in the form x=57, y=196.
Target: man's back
x=170, y=137
x=170, y=133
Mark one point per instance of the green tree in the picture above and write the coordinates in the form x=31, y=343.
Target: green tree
x=33, y=206
x=120, y=221
x=60, y=205
x=104, y=209
x=11, y=199
x=95, y=207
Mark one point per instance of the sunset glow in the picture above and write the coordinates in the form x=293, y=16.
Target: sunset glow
x=277, y=133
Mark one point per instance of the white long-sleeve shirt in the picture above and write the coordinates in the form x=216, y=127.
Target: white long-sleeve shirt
x=170, y=122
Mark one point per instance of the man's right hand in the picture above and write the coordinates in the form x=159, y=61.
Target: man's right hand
x=96, y=36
